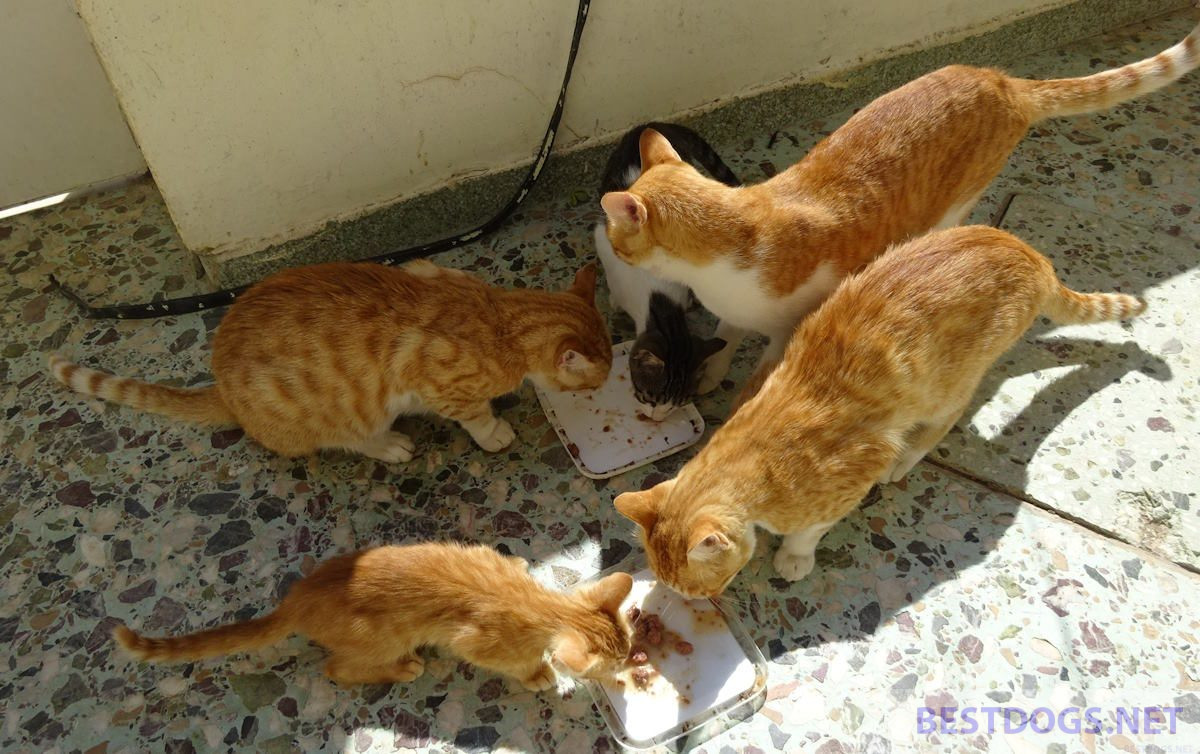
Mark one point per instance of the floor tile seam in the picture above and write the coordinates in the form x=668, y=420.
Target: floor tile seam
x=1022, y=497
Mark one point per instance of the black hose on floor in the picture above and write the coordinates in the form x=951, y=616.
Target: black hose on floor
x=188, y=304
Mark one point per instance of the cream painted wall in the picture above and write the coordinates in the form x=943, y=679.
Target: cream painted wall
x=263, y=119
x=60, y=127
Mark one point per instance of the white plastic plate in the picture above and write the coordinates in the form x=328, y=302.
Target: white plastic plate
x=721, y=682
x=603, y=432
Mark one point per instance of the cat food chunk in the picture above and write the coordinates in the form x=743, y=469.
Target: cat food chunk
x=638, y=656
x=684, y=647
x=646, y=626
x=633, y=613
x=643, y=677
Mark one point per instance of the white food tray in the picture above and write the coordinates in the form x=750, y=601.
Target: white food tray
x=601, y=428
x=720, y=683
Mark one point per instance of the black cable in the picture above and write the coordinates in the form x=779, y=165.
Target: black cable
x=188, y=304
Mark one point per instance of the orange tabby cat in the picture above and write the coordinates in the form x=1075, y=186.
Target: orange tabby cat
x=372, y=609
x=327, y=356
x=760, y=257
x=869, y=383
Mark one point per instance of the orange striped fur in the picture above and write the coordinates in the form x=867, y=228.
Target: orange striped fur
x=762, y=256
x=373, y=609
x=327, y=356
x=867, y=386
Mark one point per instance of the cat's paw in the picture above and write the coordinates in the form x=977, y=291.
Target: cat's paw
x=501, y=436
x=391, y=447
x=408, y=669
x=715, y=370
x=543, y=678
x=904, y=464
x=793, y=566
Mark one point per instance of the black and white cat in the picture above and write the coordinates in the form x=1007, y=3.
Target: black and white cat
x=666, y=359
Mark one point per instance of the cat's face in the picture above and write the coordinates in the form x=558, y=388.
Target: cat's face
x=665, y=373
x=597, y=641
x=633, y=222
x=583, y=352
x=695, y=553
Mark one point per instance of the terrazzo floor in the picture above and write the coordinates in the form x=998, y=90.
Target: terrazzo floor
x=1046, y=555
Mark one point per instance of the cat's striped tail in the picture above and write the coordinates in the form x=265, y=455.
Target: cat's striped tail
x=1056, y=97
x=236, y=637
x=1069, y=307
x=199, y=405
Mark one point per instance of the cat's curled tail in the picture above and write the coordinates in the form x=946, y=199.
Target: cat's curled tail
x=200, y=405
x=223, y=640
x=1069, y=307
x=1056, y=97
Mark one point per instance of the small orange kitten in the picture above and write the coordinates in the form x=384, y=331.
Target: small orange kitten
x=327, y=356
x=372, y=609
x=867, y=386
x=761, y=257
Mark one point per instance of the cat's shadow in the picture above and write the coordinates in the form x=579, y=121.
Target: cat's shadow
x=888, y=539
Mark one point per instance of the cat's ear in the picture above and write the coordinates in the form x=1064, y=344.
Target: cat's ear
x=655, y=149
x=609, y=592
x=571, y=652
x=585, y=283
x=624, y=208
x=571, y=360
x=710, y=347
x=647, y=360
x=642, y=507
x=707, y=539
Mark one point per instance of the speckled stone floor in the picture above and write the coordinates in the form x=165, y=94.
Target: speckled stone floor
x=1046, y=555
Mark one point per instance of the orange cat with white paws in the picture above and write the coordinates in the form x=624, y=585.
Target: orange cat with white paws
x=869, y=383
x=760, y=257
x=327, y=356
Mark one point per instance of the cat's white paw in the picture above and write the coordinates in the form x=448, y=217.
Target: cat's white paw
x=715, y=370
x=544, y=678
x=500, y=437
x=408, y=669
x=391, y=447
x=793, y=566
x=904, y=464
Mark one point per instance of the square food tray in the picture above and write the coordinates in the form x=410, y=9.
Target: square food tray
x=601, y=428
x=722, y=682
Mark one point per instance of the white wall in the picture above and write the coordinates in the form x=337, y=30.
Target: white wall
x=60, y=127
x=262, y=119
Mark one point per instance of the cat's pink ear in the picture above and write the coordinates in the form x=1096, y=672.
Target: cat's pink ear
x=609, y=592
x=624, y=208
x=585, y=283
x=706, y=540
x=571, y=653
x=570, y=360
x=642, y=507
x=655, y=149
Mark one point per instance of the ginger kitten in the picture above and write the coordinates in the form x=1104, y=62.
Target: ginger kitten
x=374, y=608
x=761, y=257
x=869, y=383
x=327, y=356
